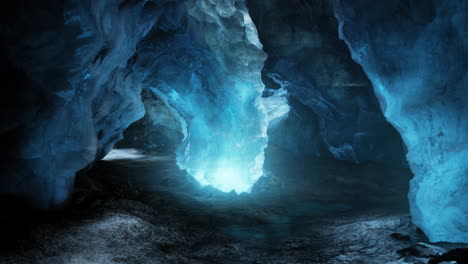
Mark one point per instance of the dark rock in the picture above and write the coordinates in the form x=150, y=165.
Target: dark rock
x=399, y=236
x=460, y=255
x=422, y=250
x=170, y=223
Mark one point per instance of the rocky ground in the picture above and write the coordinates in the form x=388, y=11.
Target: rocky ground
x=126, y=212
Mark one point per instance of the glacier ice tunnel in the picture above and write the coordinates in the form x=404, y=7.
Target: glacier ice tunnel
x=234, y=131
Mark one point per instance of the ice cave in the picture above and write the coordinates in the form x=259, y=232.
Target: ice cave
x=234, y=131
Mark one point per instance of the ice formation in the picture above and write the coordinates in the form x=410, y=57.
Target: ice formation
x=276, y=105
x=77, y=72
x=203, y=60
x=91, y=60
x=217, y=87
x=333, y=109
x=417, y=62
x=78, y=63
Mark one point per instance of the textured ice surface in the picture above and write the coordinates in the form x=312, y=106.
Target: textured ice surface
x=333, y=109
x=276, y=105
x=77, y=57
x=203, y=61
x=415, y=54
x=91, y=60
x=159, y=131
x=211, y=75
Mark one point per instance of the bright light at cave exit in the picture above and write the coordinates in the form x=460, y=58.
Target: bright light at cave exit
x=226, y=139
x=227, y=176
x=224, y=179
x=232, y=160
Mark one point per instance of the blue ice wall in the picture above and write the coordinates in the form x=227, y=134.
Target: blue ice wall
x=415, y=54
x=228, y=131
x=334, y=113
x=90, y=60
x=79, y=59
x=208, y=68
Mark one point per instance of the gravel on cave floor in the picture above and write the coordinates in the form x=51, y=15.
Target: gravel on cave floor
x=114, y=217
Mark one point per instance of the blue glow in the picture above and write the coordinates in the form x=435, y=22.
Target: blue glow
x=226, y=140
x=211, y=76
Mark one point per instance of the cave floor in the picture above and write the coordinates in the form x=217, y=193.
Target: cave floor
x=126, y=212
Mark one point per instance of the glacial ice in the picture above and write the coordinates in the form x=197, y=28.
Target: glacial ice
x=84, y=72
x=208, y=69
x=417, y=62
x=276, y=105
x=120, y=154
x=228, y=130
x=77, y=60
x=333, y=109
x=91, y=60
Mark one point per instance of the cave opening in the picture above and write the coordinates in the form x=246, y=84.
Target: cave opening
x=237, y=131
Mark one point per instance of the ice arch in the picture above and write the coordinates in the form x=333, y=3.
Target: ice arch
x=88, y=62
x=207, y=68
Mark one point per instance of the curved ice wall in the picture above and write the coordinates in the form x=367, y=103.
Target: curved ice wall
x=228, y=131
x=83, y=65
x=415, y=54
x=77, y=60
x=208, y=68
x=334, y=112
